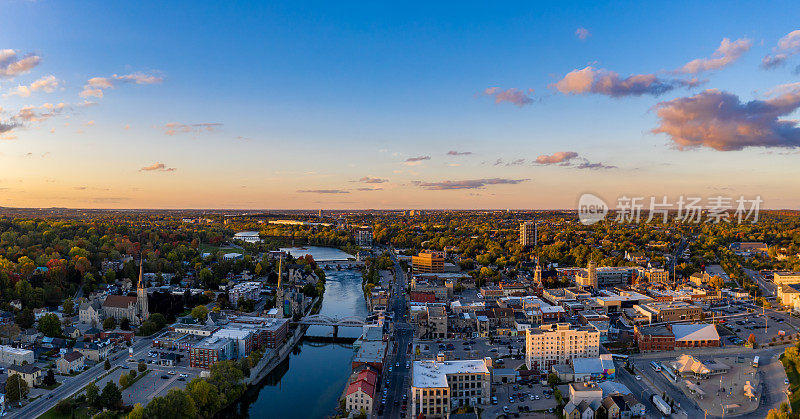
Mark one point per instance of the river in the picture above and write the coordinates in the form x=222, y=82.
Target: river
x=309, y=382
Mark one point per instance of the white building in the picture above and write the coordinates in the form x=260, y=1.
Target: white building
x=439, y=387
x=554, y=344
x=247, y=236
x=527, y=233
x=15, y=356
x=247, y=290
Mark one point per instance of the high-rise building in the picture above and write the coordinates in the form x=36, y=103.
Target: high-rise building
x=439, y=386
x=364, y=236
x=527, y=233
x=587, y=278
x=554, y=344
x=428, y=261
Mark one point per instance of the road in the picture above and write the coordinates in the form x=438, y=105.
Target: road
x=768, y=288
x=72, y=385
x=399, y=377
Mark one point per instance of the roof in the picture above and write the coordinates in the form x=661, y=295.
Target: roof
x=592, y=365
x=23, y=369
x=655, y=331
x=694, y=332
x=371, y=351
x=119, y=301
x=433, y=374
x=361, y=385
x=687, y=363
x=73, y=356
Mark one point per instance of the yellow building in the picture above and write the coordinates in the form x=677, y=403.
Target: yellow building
x=554, y=344
x=439, y=386
x=428, y=262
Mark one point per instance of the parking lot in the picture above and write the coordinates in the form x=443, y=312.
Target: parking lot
x=765, y=328
x=524, y=400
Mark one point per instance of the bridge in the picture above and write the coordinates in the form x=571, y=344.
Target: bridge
x=335, y=322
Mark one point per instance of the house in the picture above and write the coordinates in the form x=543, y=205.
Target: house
x=30, y=373
x=91, y=313
x=361, y=392
x=611, y=407
x=93, y=351
x=70, y=362
x=582, y=410
x=92, y=333
x=117, y=335
x=72, y=332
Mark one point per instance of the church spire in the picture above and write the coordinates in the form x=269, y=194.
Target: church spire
x=141, y=293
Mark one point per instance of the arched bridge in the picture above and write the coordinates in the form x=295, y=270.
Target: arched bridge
x=322, y=320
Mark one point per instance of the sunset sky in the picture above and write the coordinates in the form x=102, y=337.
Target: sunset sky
x=402, y=105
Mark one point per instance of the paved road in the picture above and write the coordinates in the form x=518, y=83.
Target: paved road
x=768, y=288
x=399, y=377
x=71, y=385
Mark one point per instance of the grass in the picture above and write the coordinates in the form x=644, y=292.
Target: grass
x=139, y=375
x=51, y=387
x=794, y=382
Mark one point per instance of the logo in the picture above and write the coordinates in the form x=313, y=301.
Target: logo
x=591, y=209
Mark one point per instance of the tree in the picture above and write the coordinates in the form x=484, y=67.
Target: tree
x=137, y=412
x=107, y=365
x=69, y=307
x=125, y=324
x=16, y=388
x=552, y=379
x=205, y=395
x=25, y=318
x=176, y=404
x=142, y=367
x=752, y=340
x=109, y=323
x=200, y=312
x=111, y=398
x=226, y=376
x=50, y=325
x=64, y=407
x=124, y=380
x=92, y=394
x=49, y=378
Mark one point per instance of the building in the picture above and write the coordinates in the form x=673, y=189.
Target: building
x=15, y=356
x=556, y=343
x=70, y=362
x=587, y=277
x=439, y=386
x=121, y=307
x=786, y=277
x=592, y=369
x=248, y=290
x=689, y=366
x=30, y=373
x=656, y=338
x=527, y=234
x=364, y=236
x=92, y=350
x=594, y=277
x=428, y=261
x=652, y=275
x=749, y=248
x=669, y=311
x=247, y=236
x=91, y=313
x=370, y=353
x=789, y=295
x=588, y=392
x=244, y=341
x=360, y=393
x=210, y=350
x=695, y=335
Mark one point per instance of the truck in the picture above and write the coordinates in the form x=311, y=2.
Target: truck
x=661, y=405
x=755, y=362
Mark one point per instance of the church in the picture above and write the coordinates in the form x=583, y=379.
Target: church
x=125, y=307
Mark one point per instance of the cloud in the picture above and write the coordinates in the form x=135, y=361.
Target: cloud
x=369, y=189
x=173, y=128
x=12, y=65
x=727, y=53
x=8, y=127
x=513, y=96
x=787, y=46
x=90, y=123
x=582, y=33
x=459, y=153
x=558, y=157
x=466, y=184
x=594, y=166
x=40, y=113
x=721, y=121
x=605, y=82
x=157, y=167
x=515, y=162
x=95, y=86
x=47, y=84
x=414, y=161
x=367, y=179
x=323, y=191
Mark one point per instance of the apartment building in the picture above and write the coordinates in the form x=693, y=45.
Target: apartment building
x=245, y=290
x=554, y=344
x=527, y=233
x=437, y=386
x=15, y=356
x=210, y=350
x=786, y=277
x=428, y=262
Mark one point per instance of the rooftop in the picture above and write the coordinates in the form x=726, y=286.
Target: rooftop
x=433, y=374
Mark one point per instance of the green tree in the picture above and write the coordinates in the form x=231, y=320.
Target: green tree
x=111, y=397
x=176, y=404
x=109, y=323
x=124, y=380
x=142, y=367
x=16, y=388
x=93, y=394
x=552, y=379
x=227, y=377
x=137, y=412
x=200, y=312
x=69, y=307
x=49, y=378
x=50, y=325
x=205, y=395
x=107, y=365
x=25, y=318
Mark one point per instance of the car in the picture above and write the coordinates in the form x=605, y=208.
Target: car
x=550, y=410
x=183, y=375
x=638, y=378
x=494, y=399
x=125, y=367
x=181, y=378
x=532, y=397
x=397, y=402
x=408, y=365
x=164, y=377
x=537, y=397
x=171, y=373
x=396, y=364
x=786, y=381
x=505, y=409
x=493, y=350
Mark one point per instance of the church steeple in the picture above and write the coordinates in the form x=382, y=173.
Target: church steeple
x=141, y=293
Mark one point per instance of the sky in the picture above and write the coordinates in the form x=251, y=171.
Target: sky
x=338, y=105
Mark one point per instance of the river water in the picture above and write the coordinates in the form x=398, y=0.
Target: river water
x=309, y=382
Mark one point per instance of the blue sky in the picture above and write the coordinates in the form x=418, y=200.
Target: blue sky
x=313, y=96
